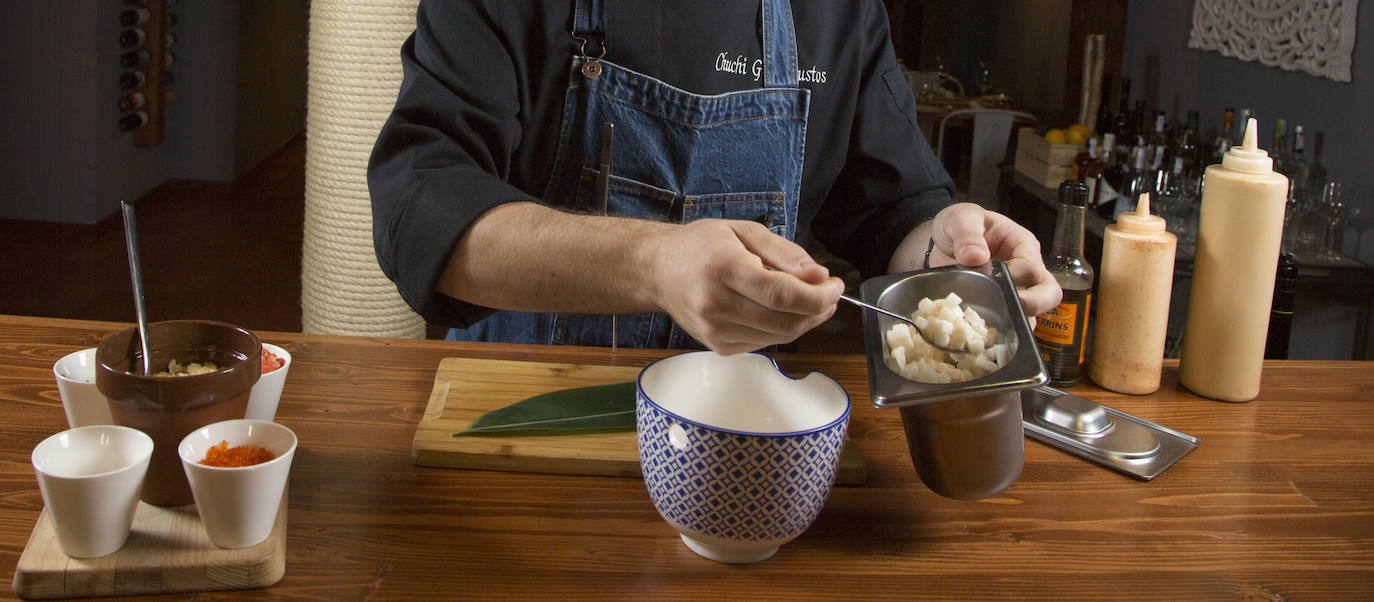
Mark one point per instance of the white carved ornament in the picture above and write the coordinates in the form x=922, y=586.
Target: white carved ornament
x=1316, y=36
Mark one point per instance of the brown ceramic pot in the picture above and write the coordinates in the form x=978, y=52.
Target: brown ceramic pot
x=168, y=408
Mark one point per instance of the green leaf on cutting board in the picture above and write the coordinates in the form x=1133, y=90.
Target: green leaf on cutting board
x=602, y=408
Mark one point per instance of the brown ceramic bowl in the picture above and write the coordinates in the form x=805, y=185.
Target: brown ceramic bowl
x=168, y=408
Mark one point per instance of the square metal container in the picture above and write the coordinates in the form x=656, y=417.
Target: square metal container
x=987, y=289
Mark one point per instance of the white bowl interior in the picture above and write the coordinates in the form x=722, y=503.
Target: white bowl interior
x=78, y=366
x=257, y=433
x=744, y=392
x=91, y=451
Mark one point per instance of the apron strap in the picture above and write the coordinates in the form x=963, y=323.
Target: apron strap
x=589, y=22
x=779, y=45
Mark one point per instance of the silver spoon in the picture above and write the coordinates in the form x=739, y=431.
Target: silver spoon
x=902, y=318
x=136, y=275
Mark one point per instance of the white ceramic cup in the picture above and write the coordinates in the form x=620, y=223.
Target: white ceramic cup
x=90, y=478
x=262, y=402
x=238, y=505
x=82, y=401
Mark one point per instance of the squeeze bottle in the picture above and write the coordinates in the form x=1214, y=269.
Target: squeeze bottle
x=1239, y=233
x=1134, y=285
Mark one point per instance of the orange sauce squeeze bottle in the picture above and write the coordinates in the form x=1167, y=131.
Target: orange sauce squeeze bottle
x=1134, y=285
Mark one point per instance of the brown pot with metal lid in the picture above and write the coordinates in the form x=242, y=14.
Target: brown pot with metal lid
x=965, y=438
x=169, y=407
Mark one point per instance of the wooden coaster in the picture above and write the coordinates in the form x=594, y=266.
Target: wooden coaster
x=167, y=552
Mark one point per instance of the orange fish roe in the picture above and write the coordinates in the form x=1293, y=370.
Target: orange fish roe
x=242, y=455
x=270, y=361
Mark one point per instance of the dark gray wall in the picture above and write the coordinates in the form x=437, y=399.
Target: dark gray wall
x=47, y=110
x=240, y=95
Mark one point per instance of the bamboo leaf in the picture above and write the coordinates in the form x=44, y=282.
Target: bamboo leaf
x=602, y=408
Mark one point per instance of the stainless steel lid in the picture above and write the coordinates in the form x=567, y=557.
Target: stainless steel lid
x=987, y=289
x=1103, y=435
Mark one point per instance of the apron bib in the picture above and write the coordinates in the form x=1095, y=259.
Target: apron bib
x=678, y=157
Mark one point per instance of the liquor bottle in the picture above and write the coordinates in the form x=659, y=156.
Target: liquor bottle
x=133, y=58
x=1062, y=332
x=1279, y=145
x=1281, y=314
x=131, y=80
x=1084, y=161
x=133, y=121
x=1112, y=178
x=1135, y=181
x=1223, y=140
x=132, y=102
x=1158, y=142
x=1104, y=110
x=1122, y=126
x=134, y=16
x=1296, y=167
x=132, y=38
x=1137, y=279
x=1239, y=234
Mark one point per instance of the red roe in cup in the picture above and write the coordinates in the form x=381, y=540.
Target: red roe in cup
x=270, y=361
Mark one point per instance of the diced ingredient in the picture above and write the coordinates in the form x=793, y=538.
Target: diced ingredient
x=231, y=457
x=945, y=322
x=175, y=368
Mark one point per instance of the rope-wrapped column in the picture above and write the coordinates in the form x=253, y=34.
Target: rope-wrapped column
x=354, y=74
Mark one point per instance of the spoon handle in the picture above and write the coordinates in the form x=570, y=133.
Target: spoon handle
x=877, y=309
x=136, y=275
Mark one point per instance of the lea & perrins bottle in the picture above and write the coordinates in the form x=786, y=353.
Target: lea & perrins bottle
x=1062, y=332
x=1137, y=279
x=1240, y=229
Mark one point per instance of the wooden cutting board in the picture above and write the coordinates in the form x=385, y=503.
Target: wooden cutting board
x=167, y=552
x=467, y=388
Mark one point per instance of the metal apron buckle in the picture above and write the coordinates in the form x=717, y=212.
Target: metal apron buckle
x=592, y=68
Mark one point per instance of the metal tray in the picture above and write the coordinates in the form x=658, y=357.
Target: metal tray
x=987, y=289
x=1103, y=435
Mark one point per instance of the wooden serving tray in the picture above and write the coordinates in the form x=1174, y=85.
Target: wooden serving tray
x=464, y=389
x=167, y=552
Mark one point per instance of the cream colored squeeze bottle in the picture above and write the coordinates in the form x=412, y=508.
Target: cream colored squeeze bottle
x=1136, y=279
x=1239, y=233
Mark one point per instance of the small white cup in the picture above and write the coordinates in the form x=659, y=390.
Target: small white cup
x=238, y=505
x=83, y=402
x=90, y=478
x=262, y=402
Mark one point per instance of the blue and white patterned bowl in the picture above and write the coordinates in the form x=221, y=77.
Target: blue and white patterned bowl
x=738, y=456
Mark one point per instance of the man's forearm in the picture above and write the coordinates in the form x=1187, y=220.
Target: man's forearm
x=527, y=257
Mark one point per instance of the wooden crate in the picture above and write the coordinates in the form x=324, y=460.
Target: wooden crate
x=1049, y=176
x=1027, y=141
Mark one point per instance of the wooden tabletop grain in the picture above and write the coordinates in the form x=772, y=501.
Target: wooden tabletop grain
x=1276, y=504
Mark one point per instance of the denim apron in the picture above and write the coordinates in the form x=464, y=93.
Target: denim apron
x=678, y=157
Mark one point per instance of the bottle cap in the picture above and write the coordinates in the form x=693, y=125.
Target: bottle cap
x=1073, y=193
x=1249, y=157
x=1140, y=220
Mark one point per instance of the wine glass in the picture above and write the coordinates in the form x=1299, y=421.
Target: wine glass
x=984, y=79
x=1331, y=210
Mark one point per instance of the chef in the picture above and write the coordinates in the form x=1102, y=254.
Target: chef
x=741, y=129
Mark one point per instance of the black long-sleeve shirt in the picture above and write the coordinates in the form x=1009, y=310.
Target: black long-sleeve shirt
x=477, y=119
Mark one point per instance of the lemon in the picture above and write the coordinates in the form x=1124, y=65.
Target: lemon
x=1056, y=136
x=1080, y=128
x=1076, y=137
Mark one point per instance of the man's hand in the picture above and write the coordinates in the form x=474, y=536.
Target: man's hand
x=967, y=234
x=714, y=278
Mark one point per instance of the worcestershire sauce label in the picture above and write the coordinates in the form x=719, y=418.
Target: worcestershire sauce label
x=1060, y=332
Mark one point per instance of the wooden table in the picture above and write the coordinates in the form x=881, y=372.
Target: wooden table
x=1277, y=503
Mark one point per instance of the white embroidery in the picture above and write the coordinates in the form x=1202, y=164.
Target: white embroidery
x=1316, y=36
x=743, y=65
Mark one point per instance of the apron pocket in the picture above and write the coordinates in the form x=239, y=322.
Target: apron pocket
x=767, y=208
x=625, y=197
